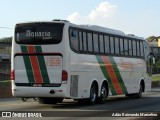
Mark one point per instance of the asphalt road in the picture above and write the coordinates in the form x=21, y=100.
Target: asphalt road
x=150, y=102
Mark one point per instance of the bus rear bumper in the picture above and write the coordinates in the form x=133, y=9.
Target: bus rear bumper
x=18, y=91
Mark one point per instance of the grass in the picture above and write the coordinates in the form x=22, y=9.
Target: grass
x=156, y=77
x=5, y=82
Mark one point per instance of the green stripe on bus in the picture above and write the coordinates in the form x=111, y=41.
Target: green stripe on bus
x=28, y=66
x=121, y=82
x=106, y=75
x=42, y=65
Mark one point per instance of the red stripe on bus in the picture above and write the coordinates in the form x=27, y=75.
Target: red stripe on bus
x=112, y=75
x=35, y=65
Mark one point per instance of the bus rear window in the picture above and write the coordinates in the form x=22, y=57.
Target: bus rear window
x=39, y=33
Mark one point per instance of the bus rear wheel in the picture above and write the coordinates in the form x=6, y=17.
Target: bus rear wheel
x=103, y=94
x=93, y=94
x=24, y=99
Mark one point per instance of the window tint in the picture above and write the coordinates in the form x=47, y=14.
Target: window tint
x=117, y=46
x=134, y=48
x=106, y=42
x=126, y=46
x=101, y=41
x=138, y=49
x=84, y=41
x=130, y=47
x=141, y=50
x=39, y=33
x=90, y=44
x=112, y=45
x=74, y=39
x=95, y=42
x=80, y=41
x=121, y=46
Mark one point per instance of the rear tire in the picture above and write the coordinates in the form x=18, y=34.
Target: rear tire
x=103, y=94
x=24, y=99
x=93, y=94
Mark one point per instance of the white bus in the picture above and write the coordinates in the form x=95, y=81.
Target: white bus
x=57, y=59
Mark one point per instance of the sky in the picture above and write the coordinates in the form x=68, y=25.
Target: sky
x=138, y=17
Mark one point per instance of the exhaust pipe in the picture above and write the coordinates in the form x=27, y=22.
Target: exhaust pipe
x=52, y=91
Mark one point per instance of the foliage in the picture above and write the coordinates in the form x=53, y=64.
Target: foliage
x=151, y=38
x=156, y=67
x=5, y=83
x=6, y=39
x=156, y=77
x=158, y=64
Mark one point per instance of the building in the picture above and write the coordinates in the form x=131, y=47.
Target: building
x=5, y=60
x=155, y=42
x=5, y=51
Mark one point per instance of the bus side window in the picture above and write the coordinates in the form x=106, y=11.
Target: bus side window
x=130, y=48
x=74, y=39
x=117, y=46
x=106, y=42
x=112, y=45
x=95, y=43
x=80, y=41
x=90, y=42
x=134, y=48
x=141, y=49
x=126, y=46
x=101, y=41
x=138, y=48
x=121, y=46
x=84, y=42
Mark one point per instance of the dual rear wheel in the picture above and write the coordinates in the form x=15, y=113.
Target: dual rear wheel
x=103, y=94
x=93, y=99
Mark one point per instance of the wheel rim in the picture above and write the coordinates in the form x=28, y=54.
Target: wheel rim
x=103, y=93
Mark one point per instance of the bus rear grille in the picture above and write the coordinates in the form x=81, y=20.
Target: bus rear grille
x=74, y=86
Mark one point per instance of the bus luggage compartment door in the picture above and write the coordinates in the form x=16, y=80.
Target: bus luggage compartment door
x=38, y=69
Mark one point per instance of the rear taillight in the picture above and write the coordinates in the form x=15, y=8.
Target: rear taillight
x=12, y=75
x=64, y=75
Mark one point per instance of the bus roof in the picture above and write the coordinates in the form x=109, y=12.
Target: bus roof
x=90, y=27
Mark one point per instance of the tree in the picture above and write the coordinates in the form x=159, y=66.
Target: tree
x=6, y=39
x=158, y=65
x=151, y=38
